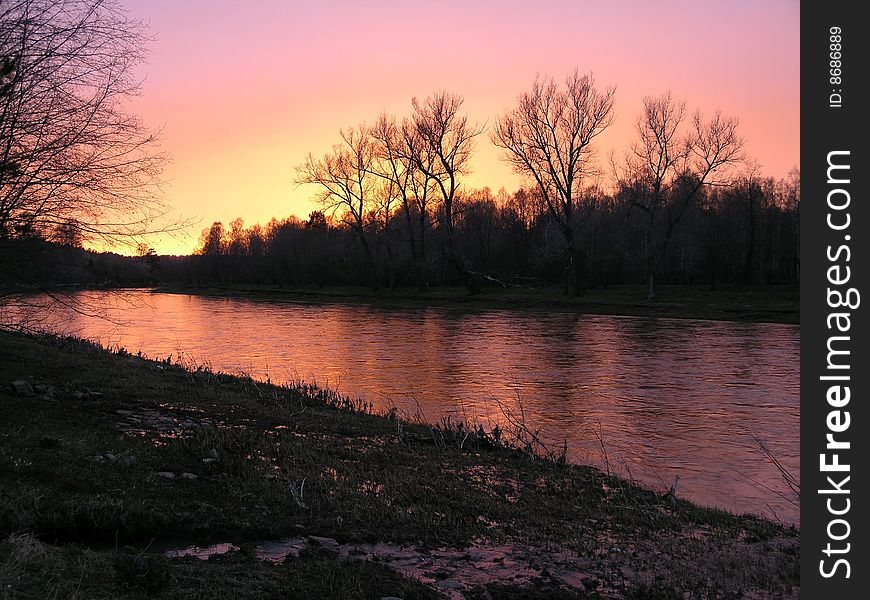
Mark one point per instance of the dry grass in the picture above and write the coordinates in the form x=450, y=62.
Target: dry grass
x=367, y=478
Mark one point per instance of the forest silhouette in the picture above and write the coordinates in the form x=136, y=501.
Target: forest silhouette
x=682, y=205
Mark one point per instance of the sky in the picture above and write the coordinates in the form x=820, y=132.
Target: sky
x=243, y=91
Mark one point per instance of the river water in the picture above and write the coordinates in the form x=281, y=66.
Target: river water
x=650, y=398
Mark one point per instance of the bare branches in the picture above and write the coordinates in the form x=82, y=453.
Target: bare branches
x=375, y=166
x=667, y=153
x=344, y=176
x=438, y=130
x=659, y=152
x=399, y=152
x=669, y=164
x=441, y=141
x=347, y=183
x=548, y=137
x=68, y=148
x=715, y=145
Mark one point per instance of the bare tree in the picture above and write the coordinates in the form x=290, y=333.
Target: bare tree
x=75, y=166
x=669, y=165
x=439, y=141
x=548, y=137
x=748, y=187
x=791, y=205
x=348, y=185
x=382, y=219
x=397, y=164
x=68, y=148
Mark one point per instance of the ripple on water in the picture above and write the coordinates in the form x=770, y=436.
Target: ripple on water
x=663, y=395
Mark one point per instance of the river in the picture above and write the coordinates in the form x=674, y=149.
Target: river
x=650, y=398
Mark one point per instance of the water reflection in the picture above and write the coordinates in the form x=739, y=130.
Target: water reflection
x=663, y=396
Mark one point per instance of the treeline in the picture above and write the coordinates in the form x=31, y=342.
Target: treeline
x=682, y=204
x=46, y=263
x=745, y=233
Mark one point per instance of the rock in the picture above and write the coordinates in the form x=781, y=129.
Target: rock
x=166, y=474
x=328, y=544
x=209, y=460
x=486, y=595
x=627, y=572
x=107, y=457
x=450, y=585
x=22, y=388
x=189, y=476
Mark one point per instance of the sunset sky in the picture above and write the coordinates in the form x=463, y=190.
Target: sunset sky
x=243, y=91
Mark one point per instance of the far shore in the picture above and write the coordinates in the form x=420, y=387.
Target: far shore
x=759, y=304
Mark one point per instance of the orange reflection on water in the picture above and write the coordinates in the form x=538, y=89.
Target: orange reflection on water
x=656, y=397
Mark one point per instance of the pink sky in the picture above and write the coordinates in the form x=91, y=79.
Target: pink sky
x=243, y=91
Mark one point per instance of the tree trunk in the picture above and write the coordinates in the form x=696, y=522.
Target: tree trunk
x=453, y=255
x=422, y=283
x=415, y=259
x=373, y=271
x=572, y=282
x=651, y=295
x=391, y=271
x=467, y=276
x=571, y=276
x=750, y=250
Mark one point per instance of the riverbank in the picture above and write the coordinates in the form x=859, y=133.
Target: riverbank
x=107, y=460
x=761, y=304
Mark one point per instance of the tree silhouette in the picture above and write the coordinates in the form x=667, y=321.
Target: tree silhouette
x=212, y=241
x=398, y=159
x=511, y=238
x=548, y=137
x=348, y=185
x=68, y=149
x=75, y=166
x=439, y=141
x=669, y=165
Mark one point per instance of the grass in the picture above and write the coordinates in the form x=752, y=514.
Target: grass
x=768, y=304
x=79, y=526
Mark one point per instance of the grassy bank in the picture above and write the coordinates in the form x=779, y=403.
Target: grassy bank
x=107, y=459
x=769, y=304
